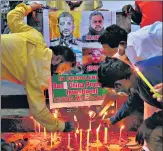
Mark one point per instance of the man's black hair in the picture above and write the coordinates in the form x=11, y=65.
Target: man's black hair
x=112, y=70
x=95, y=13
x=113, y=35
x=65, y=14
x=67, y=54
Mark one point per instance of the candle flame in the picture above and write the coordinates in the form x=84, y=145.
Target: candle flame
x=112, y=104
x=122, y=127
x=137, y=69
x=90, y=113
x=55, y=114
x=77, y=131
x=75, y=118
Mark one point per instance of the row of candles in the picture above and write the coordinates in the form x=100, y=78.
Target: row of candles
x=53, y=136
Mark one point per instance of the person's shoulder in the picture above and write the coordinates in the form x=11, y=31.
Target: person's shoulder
x=54, y=41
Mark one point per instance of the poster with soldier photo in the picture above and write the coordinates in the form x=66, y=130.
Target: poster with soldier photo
x=78, y=30
x=93, y=24
x=64, y=28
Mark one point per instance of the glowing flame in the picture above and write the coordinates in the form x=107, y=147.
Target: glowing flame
x=112, y=104
x=55, y=114
x=137, y=69
x=90, y=113
x=97, y=130
x=105, y=114
x=122, y=127
x=77, y=131
x=75, y=118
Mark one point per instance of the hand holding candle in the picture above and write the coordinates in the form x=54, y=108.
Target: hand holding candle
x=147, y=83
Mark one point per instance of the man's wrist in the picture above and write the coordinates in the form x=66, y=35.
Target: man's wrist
x=113, y=120
x=61, y=126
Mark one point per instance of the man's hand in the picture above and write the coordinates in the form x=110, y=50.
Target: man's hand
x=158, y=89
x=127, y=9
x=106, y=122
x=35, y=6
x=69, y=126
x=143, y=133
x=95, y=116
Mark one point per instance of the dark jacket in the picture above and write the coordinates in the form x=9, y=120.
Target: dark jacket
x=152, y=70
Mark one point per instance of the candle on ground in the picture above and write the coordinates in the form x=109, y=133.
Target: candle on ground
x=68, y=145
x=55, y=114
x=88, y=136
x=105, y=135
x=75, y=119
x=51, y=140
x=80, y=148
x=34, y=122
x=39, y=127
x=55, y=137
x=97, y=135
x=44, y=132
x=90, y=122
x=120, y=136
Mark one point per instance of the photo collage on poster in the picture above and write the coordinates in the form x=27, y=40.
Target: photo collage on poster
x=80, y=31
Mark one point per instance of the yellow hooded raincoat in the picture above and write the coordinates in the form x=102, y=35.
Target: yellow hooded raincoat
x=25, y=59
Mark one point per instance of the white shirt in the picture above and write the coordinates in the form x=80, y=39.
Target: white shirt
x=145, y=43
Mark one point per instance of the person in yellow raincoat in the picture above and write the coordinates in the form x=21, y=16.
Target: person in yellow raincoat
x=26, y=60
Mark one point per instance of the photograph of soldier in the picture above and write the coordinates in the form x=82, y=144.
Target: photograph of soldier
x=92, y=57
x=66, y=28
x=94, y=25
x=63, y=29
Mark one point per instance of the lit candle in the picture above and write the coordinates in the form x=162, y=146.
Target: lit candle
x=97, y=135
x=55, y=137
x=105, y=135
x=44, y=132
x=147, y=82
x=38, y=127
x=90, y=116
x=34, y=122
x=75, y=137
x=80, y=148
x=75, y=119
x=55, y=114
x=51, y=141
x=88, y=135
x=122, y=127
x=68, y=146
x=112, y=104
